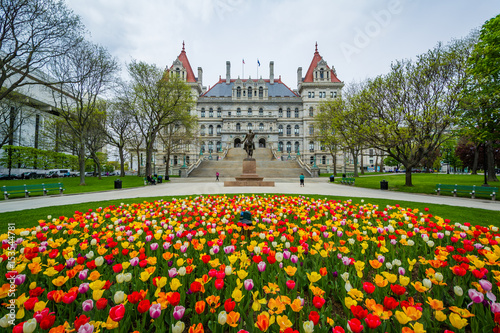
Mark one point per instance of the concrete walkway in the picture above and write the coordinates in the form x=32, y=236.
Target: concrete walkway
x=193, y=186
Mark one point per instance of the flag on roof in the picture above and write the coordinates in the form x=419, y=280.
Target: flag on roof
x=243, y=61
x=258, y=62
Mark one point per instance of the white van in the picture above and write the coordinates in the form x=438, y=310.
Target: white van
x=56, y=173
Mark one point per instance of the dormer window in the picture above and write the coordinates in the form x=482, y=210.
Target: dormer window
x=261, y=92
x=321, y=73
x=238, y=92
x=249, y=92
x=238, y=112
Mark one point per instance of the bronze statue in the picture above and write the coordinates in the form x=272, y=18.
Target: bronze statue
x=248, y=144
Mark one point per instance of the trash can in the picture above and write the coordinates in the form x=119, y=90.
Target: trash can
x=384, y=185
x=343, y=175
x=167, y=177
x=160, y=179
x=118, y=183
x=332, y=179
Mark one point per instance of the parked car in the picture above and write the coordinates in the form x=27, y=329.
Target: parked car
x=56, y=173
x=74, y=174
x=29, y=175
x=89, y=174
x=4, y=176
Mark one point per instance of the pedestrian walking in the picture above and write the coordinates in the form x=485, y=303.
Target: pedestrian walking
x=301, y=180
x=217, y=176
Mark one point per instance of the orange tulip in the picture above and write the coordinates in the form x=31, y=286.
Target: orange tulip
x=323, y=271
x=196, y=329
x=262, y=321
x=200, y=307
x=233, y=318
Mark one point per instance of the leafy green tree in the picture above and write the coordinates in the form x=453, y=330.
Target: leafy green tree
x=158, y=100
x=327, y=134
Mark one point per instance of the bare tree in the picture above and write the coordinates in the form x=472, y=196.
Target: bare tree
x=88, y=70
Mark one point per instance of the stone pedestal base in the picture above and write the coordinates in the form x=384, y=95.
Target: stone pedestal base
x=249, y=176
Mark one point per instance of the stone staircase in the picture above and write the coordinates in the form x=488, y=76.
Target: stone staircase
x=232, y=165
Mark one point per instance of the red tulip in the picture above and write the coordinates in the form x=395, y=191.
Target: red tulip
x=314, y=317
x=219, y=284
x=30, y=303
x=195, y=287
x=368, y=287
x=397, y=289
x=117, y=268
x=291, y=284
x=116, y=313
x=359, y=312
x=229, y=305
x=69, y=298
x=372, y=321
x=101, y=303
x=318, y=302
x=338, y=329
x=144, y=306
x=82, y=320
x=355, y=325
x=174, y=298
x=390, y=303
x=47, y=322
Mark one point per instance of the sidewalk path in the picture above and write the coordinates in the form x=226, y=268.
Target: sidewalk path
x=193, y=186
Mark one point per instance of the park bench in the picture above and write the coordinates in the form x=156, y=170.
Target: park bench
x=471, y=190
x=348, y=180
x=27, y=189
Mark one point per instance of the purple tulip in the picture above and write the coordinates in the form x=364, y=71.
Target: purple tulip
x=475, y=296
x=248, y=283
x=20, y=278
x=179, y=312
x=83, y=288
x=486, y=285
x=70, y=262
x=495, y=307
x=401, y=271
x=155, y=311
x=286, y=254
x=261, y=266
x=88, y=305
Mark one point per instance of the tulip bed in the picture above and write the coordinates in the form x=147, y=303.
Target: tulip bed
x=304, y=265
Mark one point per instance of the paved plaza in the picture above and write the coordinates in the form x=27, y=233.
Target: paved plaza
x=194, y=186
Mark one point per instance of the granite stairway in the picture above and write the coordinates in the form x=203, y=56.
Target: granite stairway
x=232, y=165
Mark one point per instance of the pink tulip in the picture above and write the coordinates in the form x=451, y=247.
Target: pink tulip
x=83, y=288
x=155, y=311
x=476, y=296
x=261, y=266
x=83, y=274
x=495, y=307
x=86, y=328
x=134, y=261
x=486, y=285
x=154, y=246
x=248, y=284
x=172, y=272
x=88, y=305
x=179, y=312
x=19, y=279
x=39, y=315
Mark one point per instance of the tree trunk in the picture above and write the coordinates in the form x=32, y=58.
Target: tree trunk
x=122, y=161
x=382, y=163
x=491, y=163
x=408, y=176
x=476, y=160
x=167, y=165
x=362, y=167
x=334, y=164
x=81, y=161
x=355, y=158
x=138, y=152
x=376, y=163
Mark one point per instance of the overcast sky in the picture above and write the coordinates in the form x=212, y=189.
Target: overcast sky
x=358, y=38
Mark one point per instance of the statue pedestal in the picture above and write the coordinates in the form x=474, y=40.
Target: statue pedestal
x=249, y=176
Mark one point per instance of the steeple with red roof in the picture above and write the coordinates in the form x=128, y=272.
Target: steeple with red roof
x=319, y=71
x=182, y=66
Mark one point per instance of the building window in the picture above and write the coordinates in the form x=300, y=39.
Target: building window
x=312, y=94
x=309, y=94
x=297, y=145
x=296, y=130
x=202, y=145
x=210, y=130
x=219, y=112
x=261, y=127
x=280, y=113
x=296, y=112
x=288, y=130
x=311, y=160
x=311, y=112
x=187, y=159
x=261, y=112
x=321, y=73
x=249, y=92
x=280, y=130
x=202, y=130
x=211, y=113
x=238, y=92
x=249, y=126
x=334, y=94
x=219, y=129
x=203, y=112
x=238, y=112
x=280, y=146
x=331, y=94
x=288, y=147
x=249, y=111
x=218, y=146
x=371, y=153
x=311, y=145
x=238, y=127
x=261, y=92
x=311, y=130
x=288, y=113
x=210, y=146
x=229, y=113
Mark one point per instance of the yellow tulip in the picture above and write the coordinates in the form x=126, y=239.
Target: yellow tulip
x=418, y=328
x=60, y=281
x=237, y=295
x=283, y=322
x=144, y=276
x=313, y=277
x=242, y=274
x=404, y=280
x=97, y=294
x=97, y=285
x=350, y=302
x=457, y=321
x=175, y=284
x=402, y=317
x=440, y=316
x=290, y=270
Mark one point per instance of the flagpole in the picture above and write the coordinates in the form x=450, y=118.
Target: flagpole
x=243, y=69
x=257, y=69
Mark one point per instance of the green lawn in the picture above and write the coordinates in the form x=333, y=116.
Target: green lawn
x=422, y=182
x=29, y=218
x=72, y=184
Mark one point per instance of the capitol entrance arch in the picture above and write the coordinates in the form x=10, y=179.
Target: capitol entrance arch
x=262, y=143
x=237, y=143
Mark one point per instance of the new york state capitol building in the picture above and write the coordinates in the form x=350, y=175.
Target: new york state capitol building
x=281, y=118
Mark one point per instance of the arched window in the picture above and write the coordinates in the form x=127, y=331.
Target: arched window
x=238, y=112
x=321, y=73
x=238, y=92
x=280, y=130
x=280, y=146
x=202, y=130
x=187, y=160
x=323, y=159
x=296, y=129
x=218, y=146
x=311, y=130
x=261, y=112
x=297, y=145
x=238, y=127
x=219, y=112
x=178, y=71
x=211, y=113
x=210, y=130
x=288, y=113
x=311, y=112
x=249, y=92
x=280, y=113
x=311, y=160
x=249, y=111
x=311, y=145
x=261, y=126
x=261, y=92
x=288, y=147
x=203, y=112
x=288, y=130
x=175, y=159
x=296, y=112
x=210, y=146
x=219, y=128
x=202, y=145
x=249, y=126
